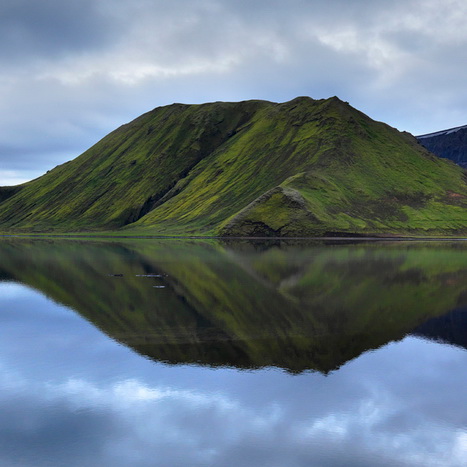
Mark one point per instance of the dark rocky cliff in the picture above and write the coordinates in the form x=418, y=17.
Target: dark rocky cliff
x=450, y=144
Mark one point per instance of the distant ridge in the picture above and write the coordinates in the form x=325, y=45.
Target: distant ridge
x=449, y=144
x=443, y=132
x=301, y=168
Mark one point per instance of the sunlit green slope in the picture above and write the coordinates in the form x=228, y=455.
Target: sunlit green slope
x=303, y=168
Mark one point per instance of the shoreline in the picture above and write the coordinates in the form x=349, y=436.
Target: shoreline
x=356, y=238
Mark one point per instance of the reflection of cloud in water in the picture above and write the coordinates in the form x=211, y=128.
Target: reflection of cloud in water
x=11, y=290
x=130, y=422
x=71, y=396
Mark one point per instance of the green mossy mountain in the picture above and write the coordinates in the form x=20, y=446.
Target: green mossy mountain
x=255, y=168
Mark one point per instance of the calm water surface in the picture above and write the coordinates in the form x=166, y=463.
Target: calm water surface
x=184, y=353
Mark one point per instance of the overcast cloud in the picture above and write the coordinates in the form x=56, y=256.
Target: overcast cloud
x=70, y=72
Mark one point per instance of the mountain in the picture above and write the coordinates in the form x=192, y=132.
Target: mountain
x=255, y=168
x=450, y=144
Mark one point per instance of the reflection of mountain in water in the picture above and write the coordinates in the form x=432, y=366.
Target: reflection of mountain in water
x=311, y=307
x=450, y=328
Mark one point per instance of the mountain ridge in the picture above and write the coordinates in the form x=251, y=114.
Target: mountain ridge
x=450, y=144
x=252, y=168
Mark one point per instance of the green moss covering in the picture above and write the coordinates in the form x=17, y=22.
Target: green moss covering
x=302, y=168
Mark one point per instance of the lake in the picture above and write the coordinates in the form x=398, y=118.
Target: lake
x=171, y=352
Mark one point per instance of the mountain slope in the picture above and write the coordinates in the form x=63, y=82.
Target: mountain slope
x=126, y=173
x=450, y=144
x=304, y=167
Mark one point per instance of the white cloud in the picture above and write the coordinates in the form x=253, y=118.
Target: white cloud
x=400, y=62
x=12, y=177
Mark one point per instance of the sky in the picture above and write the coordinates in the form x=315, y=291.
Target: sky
x=71, y=72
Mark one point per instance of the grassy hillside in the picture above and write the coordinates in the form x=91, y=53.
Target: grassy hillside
x=302, y=168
